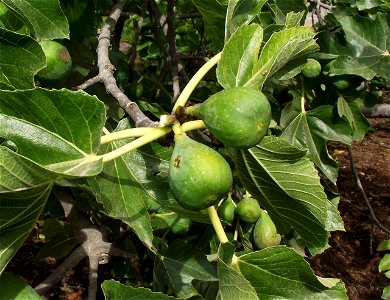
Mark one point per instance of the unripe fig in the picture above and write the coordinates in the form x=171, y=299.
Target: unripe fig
x=58, y=63
x=198, y=175
x=311, y=69
x=239, y=117
x=226, y=210
x=265, y=233
x=248, y=210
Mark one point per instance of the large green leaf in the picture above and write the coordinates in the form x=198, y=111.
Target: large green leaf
x=285, y=182
x=21, y=57
x=239, y=56
x=310, y=130
x=232, y=284
x=282, y=47
x=114, y=290
x=366, y=49
x=15, y=288
x=44, y=18
x=57, y=129
x=281, y=273
x=213, y=12
x=179, y=265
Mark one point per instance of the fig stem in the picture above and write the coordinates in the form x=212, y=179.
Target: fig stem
x=127, y=133
x=143, y=140
x=192, y=125
x=216, y=222
x=191, y=85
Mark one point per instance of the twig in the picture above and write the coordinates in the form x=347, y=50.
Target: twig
x=323, y=5
x=106, y=70
x=361, y=189
x=189, y=15
x=172, y=58
x=93, y=245
x=137, y=32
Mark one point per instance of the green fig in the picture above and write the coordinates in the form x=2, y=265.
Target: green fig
x=226, y=210
x=248, y=210
x=265, y=233
x=311, y=69
x=58, y=63
x=239, y=117
x=198, y=175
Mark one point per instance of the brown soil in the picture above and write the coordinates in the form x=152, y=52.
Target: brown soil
x=353, y=256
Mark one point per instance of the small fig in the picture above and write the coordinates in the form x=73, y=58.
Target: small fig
x=311, y=69
x=239, y=117
x=58, y=63
x=198, y=175
x=265, y=233
x=226, y=210
x=248, y=210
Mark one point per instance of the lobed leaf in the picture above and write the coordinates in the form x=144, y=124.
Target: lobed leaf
x=366, y=50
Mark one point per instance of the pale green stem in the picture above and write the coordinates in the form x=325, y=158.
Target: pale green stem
x=143, y=140
x=127, y=133
x=303, y=98
x=216, y=222
x=105, y=130
x=192, y=125
x=185, y=94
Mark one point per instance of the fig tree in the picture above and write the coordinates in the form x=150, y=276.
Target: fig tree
x=265, y=233
x=311, y=69
x=58, y=63
x=198, y=175
x=248, y=210
x=239, y=117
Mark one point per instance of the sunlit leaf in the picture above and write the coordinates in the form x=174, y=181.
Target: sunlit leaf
x=57, y=129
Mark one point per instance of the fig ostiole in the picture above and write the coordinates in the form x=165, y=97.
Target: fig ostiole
x=248, y=210
x=198, y=175
x=239, y=117
x=265, y=233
